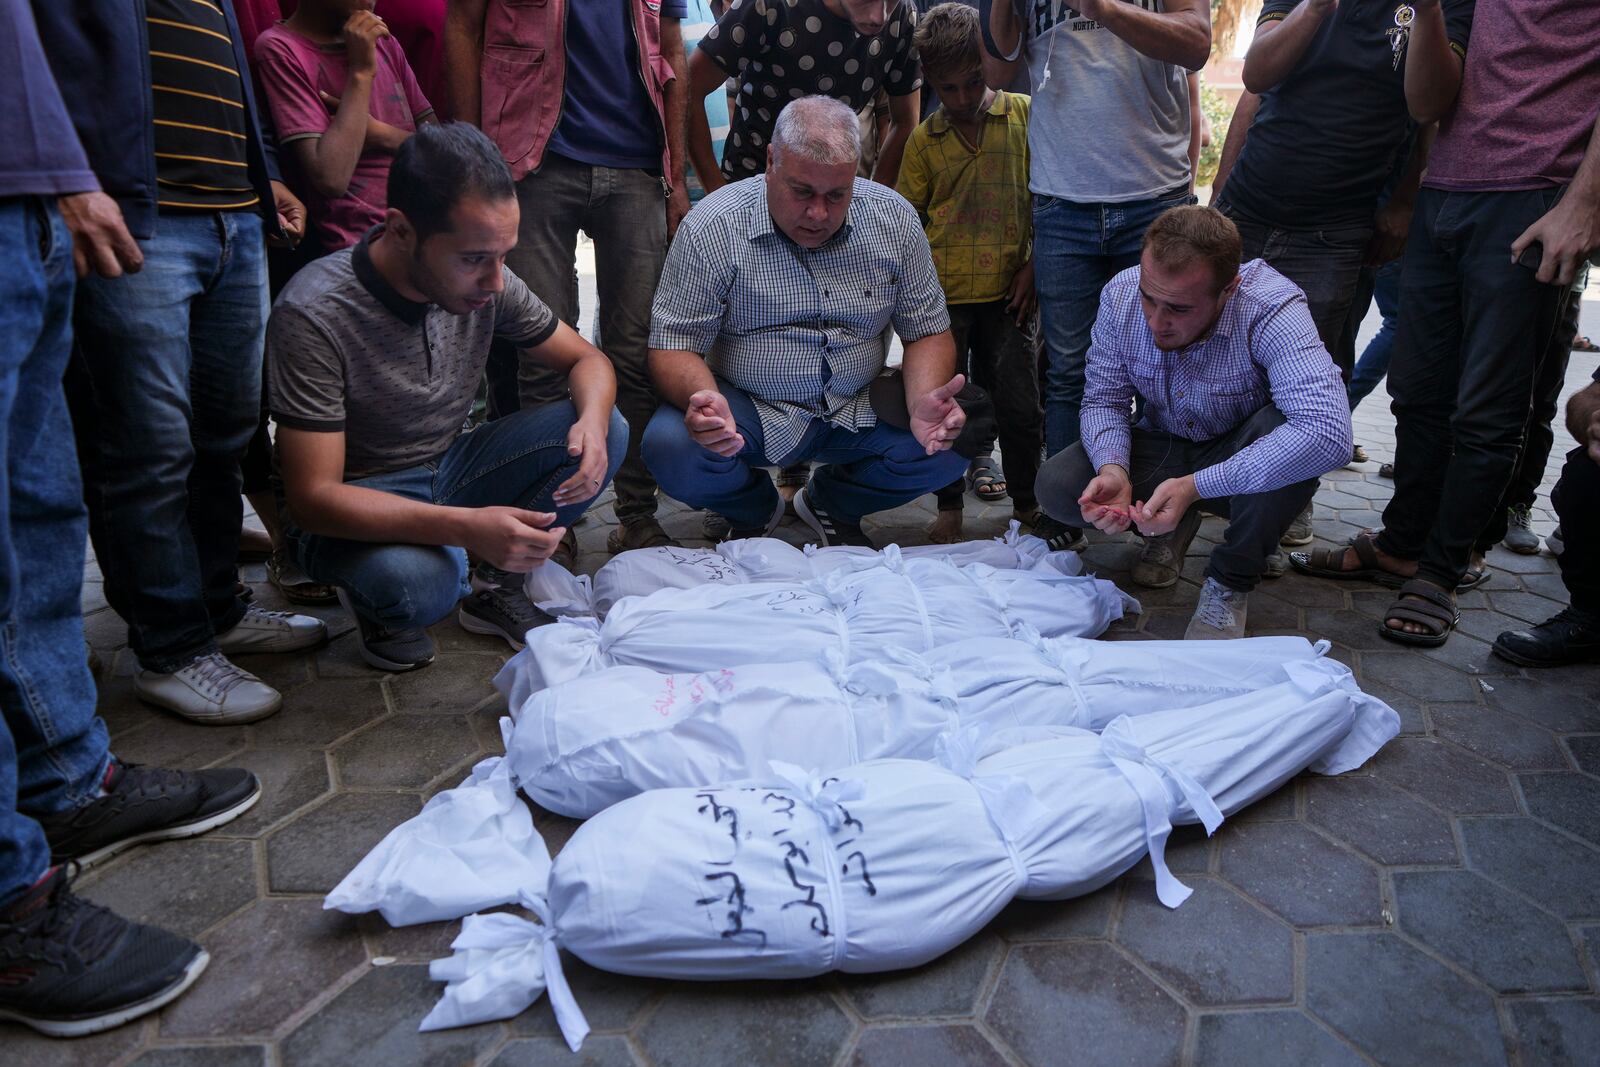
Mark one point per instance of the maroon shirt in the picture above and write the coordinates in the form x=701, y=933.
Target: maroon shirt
x=1529, y=96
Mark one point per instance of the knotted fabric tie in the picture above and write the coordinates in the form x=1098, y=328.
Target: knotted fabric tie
x=824, y=796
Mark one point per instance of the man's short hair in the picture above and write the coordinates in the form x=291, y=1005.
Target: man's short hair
x=441, y=165
x=948, y=39
x=818, y=128
x=1184, y=235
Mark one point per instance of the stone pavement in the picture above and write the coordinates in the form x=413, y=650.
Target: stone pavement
x=1439, y=907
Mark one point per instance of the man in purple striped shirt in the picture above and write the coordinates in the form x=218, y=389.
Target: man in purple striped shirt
x=1243, y=410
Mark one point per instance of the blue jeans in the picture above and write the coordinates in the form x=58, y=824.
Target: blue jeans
x=52, y=745
x=169, y=397
x=1374, y=361
x=864, y=471
x=516, y=461
x=1077, y=249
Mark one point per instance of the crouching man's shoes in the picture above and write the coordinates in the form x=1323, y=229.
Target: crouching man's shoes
x=1220, y=614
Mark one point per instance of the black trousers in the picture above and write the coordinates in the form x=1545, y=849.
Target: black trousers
x=1256, y=520
x=1473, y=330
x=1577, y=502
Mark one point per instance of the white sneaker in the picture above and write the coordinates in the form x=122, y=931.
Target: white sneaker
x=210, y=690
x=1219, y=615
x=272, y=631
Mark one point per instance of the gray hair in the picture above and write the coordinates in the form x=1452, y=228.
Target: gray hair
x=818, y=128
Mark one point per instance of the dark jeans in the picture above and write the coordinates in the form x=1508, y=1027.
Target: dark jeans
x=1473, y=329
x=1256, y=520
x=1077, y=249
x=1324, y=263
x=625, y=212
x=169, y=398
x=1383, y=287
x=1577, y=502
x=998, y=355
x=1540, y=437
x=863, y=471
x=517, y=461
x=52, y=745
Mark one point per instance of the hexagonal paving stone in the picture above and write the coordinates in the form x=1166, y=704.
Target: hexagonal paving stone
x=406, y=752
x=599, y=1050
x=747, y=1024
x=1445, y=775
x=1416, y=676
x=1350, y=628
x=1380, y=820
x=931, y=1046
x=1528, y=607
x=1557, y=1033
x=1057, y=920
x=203, y=1056
x=28, y=1048
x=1508, y=740
x=321, y=714
x=317, y=849
x=266, y=964
x=1399, y=1006
x=1188, y=852
x=1264, y=1038
x=1566, y=801
x=456, y=682
x=291, y=778
x=609, y=1001
x=1215, y=949
x=185, y=886
x=1278, y=806
x=1470, y=655
x=1301, y=875
x=375, y=1021
x=947, y=986
x=1547, y=867
x=1585, y=753
x=1082, y=1003
x=1550, y=702
x=1512, y=946
x=168, y=741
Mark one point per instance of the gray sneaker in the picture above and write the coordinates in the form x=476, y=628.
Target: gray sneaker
x=1554, y=542
x=501, y=612
x=1219, y=615
x=1299, y=531
x=1161, y=562
x=1520, y=537
x=1277, y=565
x=389, y=650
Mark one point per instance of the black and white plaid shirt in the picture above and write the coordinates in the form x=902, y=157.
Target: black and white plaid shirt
x=800, y=330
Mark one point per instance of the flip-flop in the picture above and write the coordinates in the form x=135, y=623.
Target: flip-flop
x=1583, y=344
x=1433, y=608
x=1326, y=563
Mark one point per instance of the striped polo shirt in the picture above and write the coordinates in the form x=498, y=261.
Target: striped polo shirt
x=201, y=134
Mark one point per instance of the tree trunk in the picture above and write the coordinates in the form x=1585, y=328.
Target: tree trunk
x=1228, y=17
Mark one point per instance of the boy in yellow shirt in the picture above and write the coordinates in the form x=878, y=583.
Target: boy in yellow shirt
x=965, y=170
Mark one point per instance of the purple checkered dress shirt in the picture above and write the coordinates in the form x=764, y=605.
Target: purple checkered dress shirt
x=1264, y=350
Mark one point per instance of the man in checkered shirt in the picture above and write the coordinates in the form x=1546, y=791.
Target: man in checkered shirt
x=1243, y=410
x=769, y=327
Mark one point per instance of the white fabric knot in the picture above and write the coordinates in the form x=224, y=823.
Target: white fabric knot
x=1012, y=808
x=825, y=796
x=1149, y=778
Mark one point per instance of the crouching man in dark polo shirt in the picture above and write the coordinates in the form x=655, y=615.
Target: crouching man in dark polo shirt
x=375, y=354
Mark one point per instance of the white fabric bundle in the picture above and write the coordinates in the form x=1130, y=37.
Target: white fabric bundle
x=581, y=746
x=895, y=603
x=642, y=571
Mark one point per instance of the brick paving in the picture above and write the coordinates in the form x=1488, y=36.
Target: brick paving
x=1439, y=906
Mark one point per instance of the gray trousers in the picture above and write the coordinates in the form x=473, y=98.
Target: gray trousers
x=625, y=212
x=1256, y=520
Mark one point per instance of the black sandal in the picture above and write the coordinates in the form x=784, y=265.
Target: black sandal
x=1433, y=608
x=986, y=480
x=1327, y=563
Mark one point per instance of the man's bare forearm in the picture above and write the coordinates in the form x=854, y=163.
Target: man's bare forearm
x=463, y=59
x=675, y=97
x=1278, y=46
x=356, y=513
x=1244, y=113
x=1433, y=71
x=887, y=170
x=1178, y=34
x=679, y=375
x=929, y=362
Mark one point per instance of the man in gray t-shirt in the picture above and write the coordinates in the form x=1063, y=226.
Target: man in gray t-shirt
x=374, y=356
x=1109, y=139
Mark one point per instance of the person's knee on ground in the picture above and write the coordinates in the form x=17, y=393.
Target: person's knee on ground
x=405, y=587
x=1061, y=482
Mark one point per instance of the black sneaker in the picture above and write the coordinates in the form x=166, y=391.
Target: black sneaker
x=831, y=529
x=501, y=612
x=1058, y=535
x=148, y=804
x=389, y=650
x=1572, y=636
x=70, y=968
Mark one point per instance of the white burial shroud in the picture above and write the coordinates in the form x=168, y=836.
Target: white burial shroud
x=642, y=571
x=881, y=865
x=860, y=612
x=579, y=747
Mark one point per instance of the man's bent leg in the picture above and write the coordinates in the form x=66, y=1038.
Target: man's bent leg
x=1256, y=521
x=867, y=471
x=1061, y=483
x=1577, y=503
x=732, y=486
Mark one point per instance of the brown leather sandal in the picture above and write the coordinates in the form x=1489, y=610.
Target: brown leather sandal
x=1433, y=608
x=1328, y=563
